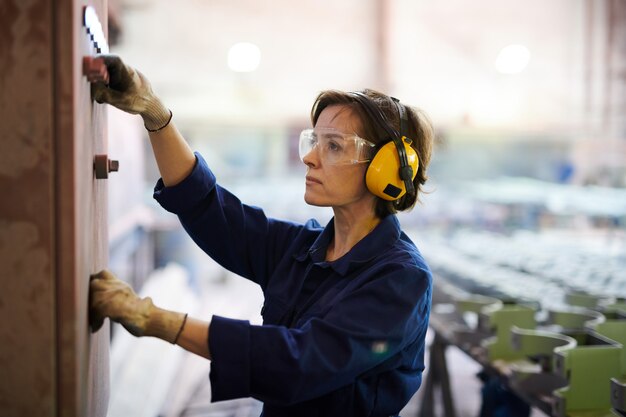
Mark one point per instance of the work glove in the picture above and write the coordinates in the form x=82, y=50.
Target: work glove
x=129, y=90
x=115, y=299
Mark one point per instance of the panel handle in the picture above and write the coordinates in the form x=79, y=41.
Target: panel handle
x=102, y=165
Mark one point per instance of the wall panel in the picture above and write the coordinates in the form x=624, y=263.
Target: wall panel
x=52, y=215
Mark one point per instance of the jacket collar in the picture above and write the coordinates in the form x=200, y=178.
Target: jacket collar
x=384, y=236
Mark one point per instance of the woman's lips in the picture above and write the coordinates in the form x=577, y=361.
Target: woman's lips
x=311, y=180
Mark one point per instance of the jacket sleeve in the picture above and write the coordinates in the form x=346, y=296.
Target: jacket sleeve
x=283, y=366
x=239, y=237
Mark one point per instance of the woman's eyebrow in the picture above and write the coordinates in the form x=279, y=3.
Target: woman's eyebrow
x=332, y=135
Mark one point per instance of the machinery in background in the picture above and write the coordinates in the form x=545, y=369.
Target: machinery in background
x=546, y=318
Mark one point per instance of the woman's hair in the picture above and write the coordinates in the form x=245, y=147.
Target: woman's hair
x=420, y=131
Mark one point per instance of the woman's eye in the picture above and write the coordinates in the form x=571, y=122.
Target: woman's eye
x=334, y=146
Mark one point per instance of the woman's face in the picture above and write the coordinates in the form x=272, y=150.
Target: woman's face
x=331, y=185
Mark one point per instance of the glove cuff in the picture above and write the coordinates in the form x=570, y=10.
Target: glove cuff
x=156, y=116
x=166, y=325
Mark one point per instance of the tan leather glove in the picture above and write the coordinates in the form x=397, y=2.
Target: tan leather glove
x=129, y=90
x=110, y=297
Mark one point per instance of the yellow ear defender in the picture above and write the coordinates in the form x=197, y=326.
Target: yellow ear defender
x=383, y=174
x=391, y=172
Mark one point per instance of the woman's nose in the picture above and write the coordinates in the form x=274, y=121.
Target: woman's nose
x=311, y=158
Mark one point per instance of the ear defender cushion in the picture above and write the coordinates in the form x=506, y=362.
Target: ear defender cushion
x=383, y=174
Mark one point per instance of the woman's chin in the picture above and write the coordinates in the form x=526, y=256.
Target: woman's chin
x=313, y=201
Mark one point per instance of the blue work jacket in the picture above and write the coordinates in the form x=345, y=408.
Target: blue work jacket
x=342, y=338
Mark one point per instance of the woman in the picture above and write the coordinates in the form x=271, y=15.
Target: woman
x=346, y=306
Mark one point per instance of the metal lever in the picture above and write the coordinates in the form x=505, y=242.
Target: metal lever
x=95, y=69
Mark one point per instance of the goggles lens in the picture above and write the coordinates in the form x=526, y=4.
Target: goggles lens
x=335, y=147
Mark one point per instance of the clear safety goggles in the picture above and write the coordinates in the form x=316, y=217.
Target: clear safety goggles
x=335, y=147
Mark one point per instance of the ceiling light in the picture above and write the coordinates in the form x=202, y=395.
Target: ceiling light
x=244, y=57
x=512, y=59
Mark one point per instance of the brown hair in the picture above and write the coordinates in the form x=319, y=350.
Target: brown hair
x=419, y=130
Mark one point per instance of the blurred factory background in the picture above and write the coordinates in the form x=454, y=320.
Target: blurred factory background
x=527, y=181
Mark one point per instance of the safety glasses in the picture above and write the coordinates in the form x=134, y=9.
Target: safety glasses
x=335, y=147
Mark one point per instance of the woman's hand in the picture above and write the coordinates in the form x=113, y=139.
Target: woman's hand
x=129, y=90
x=110, y=297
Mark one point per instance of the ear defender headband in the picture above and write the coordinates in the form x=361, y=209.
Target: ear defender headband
x=391, y=171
